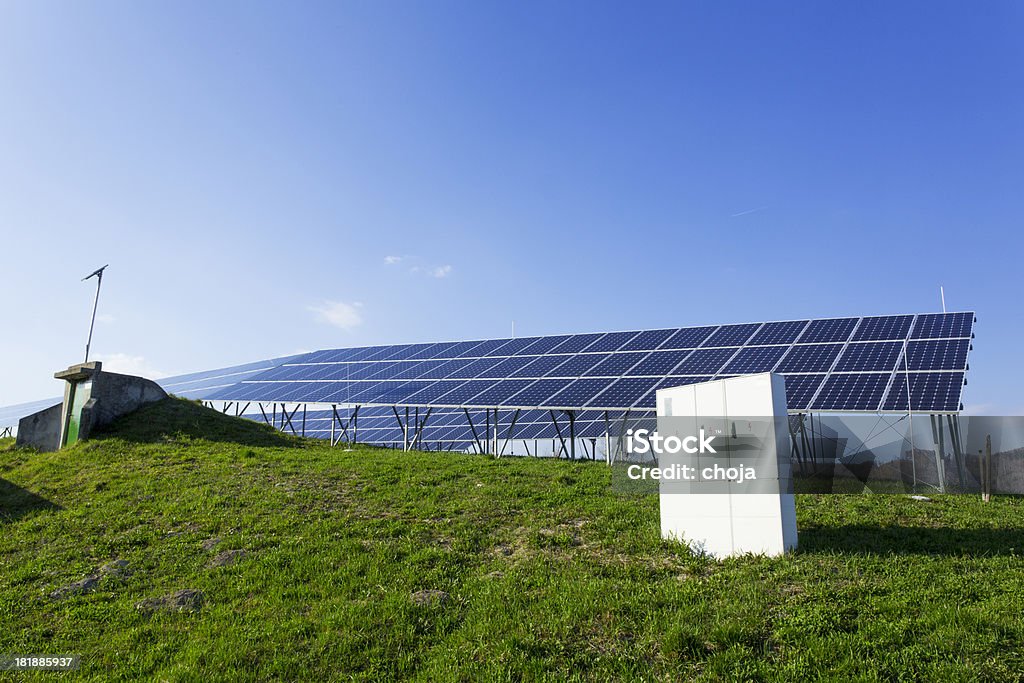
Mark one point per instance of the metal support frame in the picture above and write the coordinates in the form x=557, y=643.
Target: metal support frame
x=558, y=430
x=508, y=434
x=286, y=417
x=476, y=436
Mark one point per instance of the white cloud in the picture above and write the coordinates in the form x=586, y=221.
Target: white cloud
x=105, y=318
x=126, y=364
x=342, y=315
x=441, y=271
x=392, y=260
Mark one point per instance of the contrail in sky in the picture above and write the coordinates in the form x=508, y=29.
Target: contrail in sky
x=744, y=213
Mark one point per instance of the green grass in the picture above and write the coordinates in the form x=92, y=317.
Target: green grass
x=550, y=574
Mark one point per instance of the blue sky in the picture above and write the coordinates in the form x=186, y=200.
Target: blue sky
x=271, y=178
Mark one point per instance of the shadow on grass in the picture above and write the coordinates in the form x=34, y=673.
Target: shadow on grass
x=879, y=540
x=16, y=502
x=176, y=418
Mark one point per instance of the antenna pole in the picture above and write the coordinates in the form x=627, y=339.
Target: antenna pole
x=98, y=274
x=942, y=293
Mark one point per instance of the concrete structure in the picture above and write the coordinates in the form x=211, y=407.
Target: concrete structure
x=41, y=429
x=92, y=399
x=728, y=517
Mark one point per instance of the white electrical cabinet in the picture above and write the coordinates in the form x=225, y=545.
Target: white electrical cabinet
x=724, y=518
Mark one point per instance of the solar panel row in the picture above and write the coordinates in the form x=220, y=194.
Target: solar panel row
x=841, y=364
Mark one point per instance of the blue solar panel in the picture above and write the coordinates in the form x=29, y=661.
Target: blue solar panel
x=576, y=343
x=625, y=392
x=883, y=327
x=447, y=368
x=800, y=390
x=432, y=392
x=484, y=348
x=499, y=393
x=649, y=340
x=868, y=357
x=365, y=352
x=779, y=333
x=929, y=392
x=408, y=369
x=540, y=366
x=401, y=352
x=659, y=363
x=461, y=349
x=810, y=358
x=538, y=393
x=579, y=392
x=852, y=392
x=431, y=351
x=704, y=362
x=576, y=366
x=544, y=345
x=476, y=368
x=829, y=330
x=612, y=341
x=433, y=369
x=461, y=394
x=512, y=347
x=943, y=325
x=519, y=372
x=755, y=359
x=938, y=354
x=616, y=365
x=508, y=366
x=731, y=335
x=688, y=338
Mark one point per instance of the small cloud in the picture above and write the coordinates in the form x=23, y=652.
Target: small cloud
x=105, y=318
x=441, y=271
x=342, y=315
x=392, y=260
x=126, y=364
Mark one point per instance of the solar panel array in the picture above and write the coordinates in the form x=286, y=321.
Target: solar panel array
x=836, y=364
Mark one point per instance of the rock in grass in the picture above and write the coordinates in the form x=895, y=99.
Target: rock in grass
x=429, y=597
x=210, y=543
x=115, y=568
x=185, y=600
x=923, y=499
x=227, y=558
x=85, y=585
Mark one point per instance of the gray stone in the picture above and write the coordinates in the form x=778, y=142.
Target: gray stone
x=210, y=543
x=85, y=585
x=186, y=600
x=115, y=568
x=227, y=558
x=429, y=597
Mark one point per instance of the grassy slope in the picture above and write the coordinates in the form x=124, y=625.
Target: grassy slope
x=550, y=574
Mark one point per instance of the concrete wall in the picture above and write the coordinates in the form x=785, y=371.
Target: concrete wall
x=112, y=396
x=42, y=429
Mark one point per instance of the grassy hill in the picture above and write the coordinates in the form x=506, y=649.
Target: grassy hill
x=313, y=563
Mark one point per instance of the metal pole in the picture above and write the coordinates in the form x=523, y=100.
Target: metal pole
x=98, y=274
x=910, y=415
